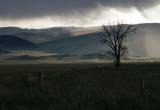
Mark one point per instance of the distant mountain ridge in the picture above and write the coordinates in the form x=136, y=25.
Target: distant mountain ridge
x=83, y=40
x=145, y=43
x=82, y=44
x=44, y=35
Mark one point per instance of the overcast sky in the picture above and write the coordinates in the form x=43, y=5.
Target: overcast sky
x=50, y=13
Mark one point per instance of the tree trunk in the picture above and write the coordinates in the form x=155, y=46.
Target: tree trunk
x=117, y=62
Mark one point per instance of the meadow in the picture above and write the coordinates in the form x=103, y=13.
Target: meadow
x=80, y=86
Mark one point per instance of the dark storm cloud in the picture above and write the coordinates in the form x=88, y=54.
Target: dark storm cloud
x=37, y=8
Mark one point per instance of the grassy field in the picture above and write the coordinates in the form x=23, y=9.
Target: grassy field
x=135, y=86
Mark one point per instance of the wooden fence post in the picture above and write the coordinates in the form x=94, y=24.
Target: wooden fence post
x=142, y=86
x=40, y=78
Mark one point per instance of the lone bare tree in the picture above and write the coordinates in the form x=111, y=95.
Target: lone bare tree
x=115, y=38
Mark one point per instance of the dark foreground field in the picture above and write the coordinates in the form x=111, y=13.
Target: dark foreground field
x=80, y=87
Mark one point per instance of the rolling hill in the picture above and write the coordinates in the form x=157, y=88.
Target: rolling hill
x=9, y=42
x=79, y=40
x=143, y=43
x=44, y=35
x=82, y=44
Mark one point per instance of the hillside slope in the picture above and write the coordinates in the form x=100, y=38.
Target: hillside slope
x=9, y=42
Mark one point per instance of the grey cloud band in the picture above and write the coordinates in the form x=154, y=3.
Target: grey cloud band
x=37, y=8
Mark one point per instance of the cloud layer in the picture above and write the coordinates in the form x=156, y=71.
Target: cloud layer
x=16, y=9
